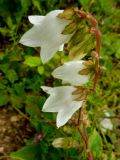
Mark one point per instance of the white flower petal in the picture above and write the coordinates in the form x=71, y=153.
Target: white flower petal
x=66, y=113
x=61, y=100
x=36, y=20
x=47, y=52
x=58, y=99
x=32, y=37
x=46, y=33
x=61, y=48
x=69, y=73
x=46, y=89
x=52, y=37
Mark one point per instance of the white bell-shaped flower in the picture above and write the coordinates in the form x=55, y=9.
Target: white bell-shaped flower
x=61, y=100
x=47, y=34
x=69, y=73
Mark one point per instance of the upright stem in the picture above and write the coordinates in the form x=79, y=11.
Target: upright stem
x=98, y=46
x=94, y=29
x=84, y=123
x=81, y=115
x=83, y=133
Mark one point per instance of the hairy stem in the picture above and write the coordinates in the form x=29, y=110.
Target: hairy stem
x=98, y=46
x=83, y=133
x=84, y=123
x=81, y=115
x=95, y=30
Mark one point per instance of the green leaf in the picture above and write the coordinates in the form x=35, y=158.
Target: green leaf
x=4, y=67
x=118, y=54
x=16, y=100
x=25, y=5
x=40, y=69
x=19, y=88
x=85, y=3
x=15, y=56
x=32, y=61
x=31, y=152
x=106, y=6
x=2, y=86
x=34, y=104
x=95, y=143
x=37, y=5
x=3, y=99
x=2, y=54
x=11, y=75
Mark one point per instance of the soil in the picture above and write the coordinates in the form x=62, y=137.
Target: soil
x=15, y=130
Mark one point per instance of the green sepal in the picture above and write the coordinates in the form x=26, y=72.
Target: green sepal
x=67, y=14
x=85, y=71
x=78, y=36
x=70, y=28
x=83, y=48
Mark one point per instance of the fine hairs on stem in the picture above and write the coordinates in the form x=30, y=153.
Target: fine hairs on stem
x=81, y=115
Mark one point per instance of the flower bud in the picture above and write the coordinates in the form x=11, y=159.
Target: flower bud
x=58, y=142
x=65, y=143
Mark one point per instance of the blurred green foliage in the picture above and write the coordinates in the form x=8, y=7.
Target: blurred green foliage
x=22, y=74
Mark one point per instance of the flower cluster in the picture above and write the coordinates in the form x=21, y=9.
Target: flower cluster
x=51, y=32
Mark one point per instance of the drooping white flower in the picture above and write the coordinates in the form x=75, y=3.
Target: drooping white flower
x=46, y=33
x=61, y=100
x=106, y=123
x=69, y=73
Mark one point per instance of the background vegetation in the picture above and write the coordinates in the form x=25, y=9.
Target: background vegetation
x=22, y=74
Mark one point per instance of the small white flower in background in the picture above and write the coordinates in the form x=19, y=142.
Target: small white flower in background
x=106, y=123
x=69, y=73
x=61, y=100
x=47, y=34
